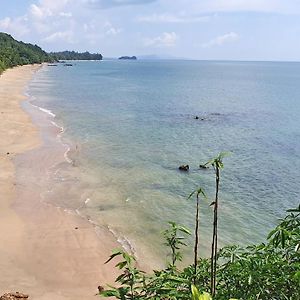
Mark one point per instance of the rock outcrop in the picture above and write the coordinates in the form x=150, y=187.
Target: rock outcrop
x=14, y=296
x=184, y=168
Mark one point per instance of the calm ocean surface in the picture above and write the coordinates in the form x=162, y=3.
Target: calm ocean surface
x=130, y=124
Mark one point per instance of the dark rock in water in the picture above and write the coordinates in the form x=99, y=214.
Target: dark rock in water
x=68, y=65
x=197, y=118
x=184, y=168
x=52, y=65
x=14, y=296
x=204, y=167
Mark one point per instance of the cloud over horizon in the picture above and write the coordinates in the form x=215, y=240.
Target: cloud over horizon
x=221, y=39
x=166, y=39
x=192, y=29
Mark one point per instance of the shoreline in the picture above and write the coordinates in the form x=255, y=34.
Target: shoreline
x=46, y=252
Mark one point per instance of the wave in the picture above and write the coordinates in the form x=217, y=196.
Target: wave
x=47, y=111
x=123, y=241
x=62, y=130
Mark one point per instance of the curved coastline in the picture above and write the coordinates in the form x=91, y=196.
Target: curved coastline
x=42, y=117
x=45, y=117
x=46, y=252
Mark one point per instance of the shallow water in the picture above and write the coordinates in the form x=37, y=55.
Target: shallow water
x=130, y=124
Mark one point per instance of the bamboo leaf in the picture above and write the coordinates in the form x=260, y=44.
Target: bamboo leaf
x=115, y=252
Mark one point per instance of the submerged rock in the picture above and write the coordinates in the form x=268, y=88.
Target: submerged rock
x=199, y=118
x=14, y=296
x=204, y=167
x=184, y=168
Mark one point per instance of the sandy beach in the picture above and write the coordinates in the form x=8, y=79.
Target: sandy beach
x=44, y=251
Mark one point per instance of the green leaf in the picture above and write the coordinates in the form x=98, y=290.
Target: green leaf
x=110, y=293
x=205, y=296
x=297, y=209
x=121, y=264
x=297, y=276
x=197, y=296
x=195, y=293
x=115, y=252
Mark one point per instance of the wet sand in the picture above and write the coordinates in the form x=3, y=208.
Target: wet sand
x=45, y=251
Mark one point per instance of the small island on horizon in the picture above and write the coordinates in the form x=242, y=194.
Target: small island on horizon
x=128, y=57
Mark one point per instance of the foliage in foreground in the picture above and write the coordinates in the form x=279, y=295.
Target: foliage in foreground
x=265, y=271
x=14, y=53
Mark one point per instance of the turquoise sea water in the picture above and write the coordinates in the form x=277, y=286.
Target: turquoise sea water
x=130, y=124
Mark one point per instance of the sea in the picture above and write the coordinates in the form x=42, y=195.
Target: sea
x=126, y=127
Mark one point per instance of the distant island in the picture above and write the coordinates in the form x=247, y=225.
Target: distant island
x=128, y=57
x=73, y=55
x=14, y=53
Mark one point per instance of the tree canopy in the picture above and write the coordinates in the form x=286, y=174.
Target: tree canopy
x=73, y=55
x=14, y=53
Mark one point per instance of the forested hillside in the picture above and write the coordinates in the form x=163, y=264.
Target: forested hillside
x=15, y=53
x=73, y=55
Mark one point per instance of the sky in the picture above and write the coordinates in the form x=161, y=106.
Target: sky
x=192, y=29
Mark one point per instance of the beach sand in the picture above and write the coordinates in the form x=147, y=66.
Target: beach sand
x=44, y=251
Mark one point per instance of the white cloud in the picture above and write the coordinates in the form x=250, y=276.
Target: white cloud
x=265, y=6
x=66, y=14
x=17, y=26
x=113, y=3
x=110, y=29
x=55, y=5
x=46, y=8
x=170, y=18
x=66, y=36
x=5, y=23
x=39, y=12
x=222, y=39
x=95, y=32
x=166, y=39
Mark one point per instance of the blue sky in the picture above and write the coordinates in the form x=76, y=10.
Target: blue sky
x=196, y=29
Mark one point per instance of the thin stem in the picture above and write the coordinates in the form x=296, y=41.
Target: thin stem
x=131, y=287
x=173, y=255
x=216, y=228
x=196, y=239
x=212, y=257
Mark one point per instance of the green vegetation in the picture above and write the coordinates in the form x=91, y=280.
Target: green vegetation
x=72, y=55
x=14, y=53
x=266, y=271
